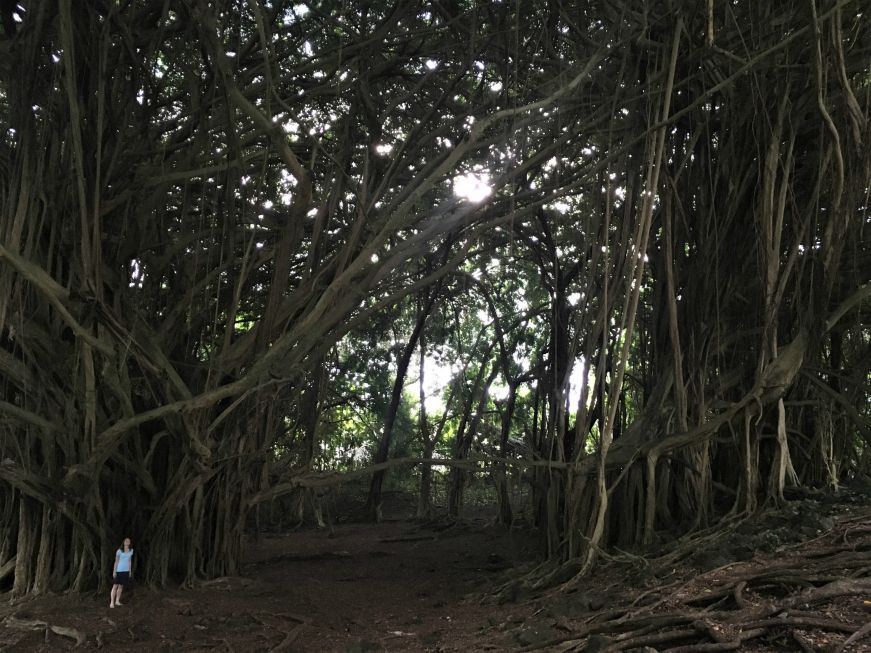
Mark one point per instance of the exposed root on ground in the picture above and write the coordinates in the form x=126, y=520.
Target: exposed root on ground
x=799, y=596
x=276, y=621
x=34, y=624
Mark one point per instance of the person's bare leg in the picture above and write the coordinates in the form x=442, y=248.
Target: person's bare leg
x=118, y=595
x=112, y=596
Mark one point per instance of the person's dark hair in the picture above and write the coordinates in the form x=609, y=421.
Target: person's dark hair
x=121, y=546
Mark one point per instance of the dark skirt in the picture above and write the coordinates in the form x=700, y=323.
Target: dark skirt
x=122, y=578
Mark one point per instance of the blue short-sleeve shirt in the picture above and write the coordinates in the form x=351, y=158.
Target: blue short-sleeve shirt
x=123, y=560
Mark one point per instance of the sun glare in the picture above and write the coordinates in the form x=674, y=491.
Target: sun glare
x=474, y=187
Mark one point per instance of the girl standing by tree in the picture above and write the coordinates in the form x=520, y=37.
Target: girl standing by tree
x=121, y=572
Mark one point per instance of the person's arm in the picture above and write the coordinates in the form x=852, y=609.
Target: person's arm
x=115, y=566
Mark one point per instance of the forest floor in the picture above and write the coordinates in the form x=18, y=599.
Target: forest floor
x=792, y=580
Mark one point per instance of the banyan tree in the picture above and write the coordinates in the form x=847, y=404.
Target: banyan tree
x=198, y=200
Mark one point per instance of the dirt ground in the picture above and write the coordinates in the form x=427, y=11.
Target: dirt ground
x=392, y=586
x=411, y=586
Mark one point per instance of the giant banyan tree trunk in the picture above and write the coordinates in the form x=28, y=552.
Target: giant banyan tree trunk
x=757, y=250
x=195, y=205
x=131, y=403
x=197, y=202
x=159, y=308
